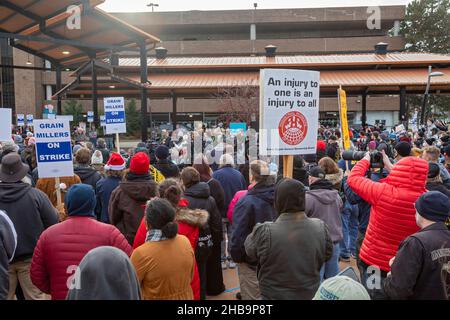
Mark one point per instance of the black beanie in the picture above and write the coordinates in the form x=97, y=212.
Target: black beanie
x=433, y=206
x=403, y=148
x=289, y=196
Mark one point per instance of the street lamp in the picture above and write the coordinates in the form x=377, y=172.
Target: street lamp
x=425, y=97
x=153, y=5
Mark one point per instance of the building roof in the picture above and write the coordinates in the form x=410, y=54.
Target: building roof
x=295, y=61
x=40, y=28
x=201, y=84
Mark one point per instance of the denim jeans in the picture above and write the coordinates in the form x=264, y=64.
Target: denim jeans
x=350, y=224
x=331, y=267
x=226, y=242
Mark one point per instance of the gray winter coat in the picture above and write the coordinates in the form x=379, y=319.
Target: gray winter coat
x=324, y=203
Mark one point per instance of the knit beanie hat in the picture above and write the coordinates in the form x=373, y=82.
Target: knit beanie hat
x=162, y=152
x=341, y=288
x=433, y=170
x=372, y=145
x=31, y=141
x=18, y=139
x=321, y=145
x=115, y=162
x=80, y=200
x=140, y=163
x=433, y=206
x=403, y=148
x=97, y=157
x=76, y=148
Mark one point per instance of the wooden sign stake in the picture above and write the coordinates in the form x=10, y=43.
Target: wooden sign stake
x=288, y=166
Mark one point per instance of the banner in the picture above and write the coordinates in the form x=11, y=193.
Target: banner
x=20, y=119
x=30, y=119
x=235, y=127
x=90, y=116
x=53, y=148
x=115, y=115
x=342, y=99
x=289, y=111
x=5, y=124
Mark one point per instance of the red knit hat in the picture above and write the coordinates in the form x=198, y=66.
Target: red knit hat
x=115, y=162
x=321, y=146
x=140, y=163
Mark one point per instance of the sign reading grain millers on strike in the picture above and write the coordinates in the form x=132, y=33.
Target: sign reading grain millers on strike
x=53, y=148
x=115, y=115
x=289, y=111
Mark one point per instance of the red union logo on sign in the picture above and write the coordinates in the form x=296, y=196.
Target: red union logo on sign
x=293, y=128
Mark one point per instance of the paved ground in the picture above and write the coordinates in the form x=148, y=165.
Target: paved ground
x=232, y=282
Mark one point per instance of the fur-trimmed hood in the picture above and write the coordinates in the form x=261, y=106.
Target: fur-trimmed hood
x=335, y=178
x=197, y=217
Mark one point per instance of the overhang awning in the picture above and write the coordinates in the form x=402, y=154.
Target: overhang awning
x=204, y=84
x=40, y=28
x=341, y=61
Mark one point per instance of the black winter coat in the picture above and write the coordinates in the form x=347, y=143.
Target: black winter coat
x=167, y=168
x=31, y=212
x=88, y=175
x=8, y=243
x=255, y=207
x=420, y=268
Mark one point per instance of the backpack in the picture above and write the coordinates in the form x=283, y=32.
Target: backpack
x=204, y=243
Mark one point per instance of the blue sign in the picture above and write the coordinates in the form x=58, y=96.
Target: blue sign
x=115, y=115
x=54, y=151
x=235, y=127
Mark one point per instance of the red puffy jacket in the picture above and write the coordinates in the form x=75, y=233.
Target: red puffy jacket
x=392, y=216
x=61, y=248
x=189, y=222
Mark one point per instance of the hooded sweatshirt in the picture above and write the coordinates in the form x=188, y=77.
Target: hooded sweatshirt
x=127, y=204
x=106, y=273
x=31, y=212
x=88, y=175
x=323, y=202
x=257, y=206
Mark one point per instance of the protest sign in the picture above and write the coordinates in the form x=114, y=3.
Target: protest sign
x=20, y=119
x=90, y=116
x=30, y=119
x=289, y=111
x=102, y=121
x=342, y=98
x=53, y=148
x=5, y=124
x=115, y=115
x=65, y=117
x=236, y=127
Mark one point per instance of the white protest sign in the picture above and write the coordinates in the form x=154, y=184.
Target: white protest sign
x=5, y=124
x=53, y=148
x=289, y=111
x=20, y=119
x=65, y=117
x=90, y=116
x=30, y=119
x=102, y=121
x=115, y=115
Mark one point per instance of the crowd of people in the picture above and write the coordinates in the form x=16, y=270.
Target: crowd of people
x=146, y=226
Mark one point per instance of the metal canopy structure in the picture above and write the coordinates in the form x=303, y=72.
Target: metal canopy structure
x=42, y=28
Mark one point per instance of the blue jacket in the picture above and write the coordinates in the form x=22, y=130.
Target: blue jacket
x=231, y=181
x=363, y=206
x=255, y=207
x=104, y=189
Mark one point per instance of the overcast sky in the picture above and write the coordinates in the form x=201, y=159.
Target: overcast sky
x=185, y=5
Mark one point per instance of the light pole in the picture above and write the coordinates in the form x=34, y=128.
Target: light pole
x=153, y=5
x=426, y=95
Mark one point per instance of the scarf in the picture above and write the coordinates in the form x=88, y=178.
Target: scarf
x=138, y=177
x=155, y=235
